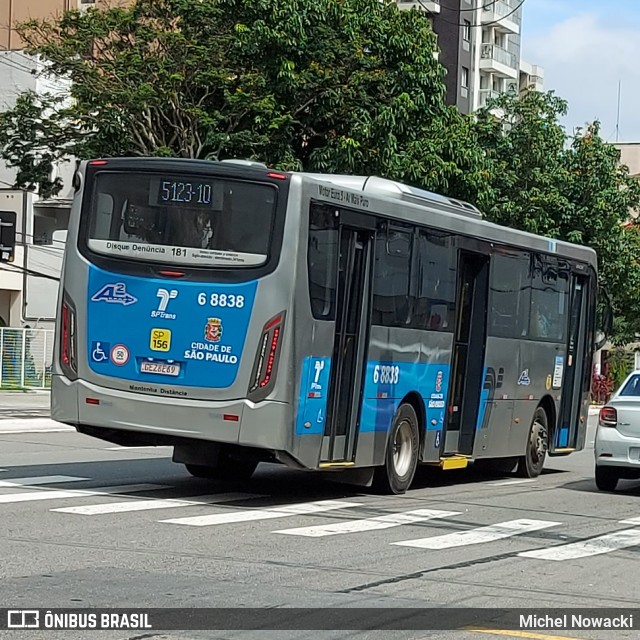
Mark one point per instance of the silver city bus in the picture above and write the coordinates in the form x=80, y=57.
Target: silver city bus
x=344, y=323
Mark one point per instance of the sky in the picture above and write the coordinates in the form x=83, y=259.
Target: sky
x=586, y=48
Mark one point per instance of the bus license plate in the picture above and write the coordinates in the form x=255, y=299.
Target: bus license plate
x=160, y=368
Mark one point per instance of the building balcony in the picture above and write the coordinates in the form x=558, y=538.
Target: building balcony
x=503, y=16
x=431, y=6
x=484, y=95
x=495, y=59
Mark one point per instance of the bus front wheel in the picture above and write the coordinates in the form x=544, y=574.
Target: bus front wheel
x=531, y=463
x=401, y=458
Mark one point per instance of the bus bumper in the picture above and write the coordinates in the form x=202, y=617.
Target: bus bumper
x=266, y=425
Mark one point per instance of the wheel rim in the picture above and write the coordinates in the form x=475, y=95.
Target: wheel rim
x=402, y=449
x=538, y=443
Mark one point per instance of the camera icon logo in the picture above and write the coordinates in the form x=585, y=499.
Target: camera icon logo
x=23, y=619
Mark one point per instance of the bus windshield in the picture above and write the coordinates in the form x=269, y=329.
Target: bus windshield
x=185, y=219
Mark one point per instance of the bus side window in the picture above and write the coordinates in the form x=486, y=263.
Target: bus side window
x=510, y=301
x=435, y=305
x=322, y=261
x=391, y=278
x=549, y=298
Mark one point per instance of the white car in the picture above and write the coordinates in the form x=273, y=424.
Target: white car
x=617, y=442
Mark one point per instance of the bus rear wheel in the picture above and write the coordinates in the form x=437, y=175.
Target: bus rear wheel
x=227, y=469
x=531, y=463
x=401, y=458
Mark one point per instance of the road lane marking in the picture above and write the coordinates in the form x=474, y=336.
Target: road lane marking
x=369, y=524
x=504, y=483
x=629, y=521
x=154, y=503
x=36, y=480
x=49, y=494
x=480, y=535
x=517, y=634
x=590, y=547
x=301, y=509
x=146, y=446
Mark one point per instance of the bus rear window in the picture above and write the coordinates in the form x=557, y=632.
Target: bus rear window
x=190, y=220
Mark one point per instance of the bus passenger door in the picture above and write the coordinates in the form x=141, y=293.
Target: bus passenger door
x=572, y=376
x=468, y=353
x=350, y=345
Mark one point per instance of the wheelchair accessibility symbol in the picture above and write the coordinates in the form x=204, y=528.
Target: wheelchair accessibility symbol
x=99, y=351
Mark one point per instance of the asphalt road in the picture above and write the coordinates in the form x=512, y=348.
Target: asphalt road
x=87, y=524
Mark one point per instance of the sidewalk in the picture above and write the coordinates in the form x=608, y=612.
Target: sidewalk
x=32, y=425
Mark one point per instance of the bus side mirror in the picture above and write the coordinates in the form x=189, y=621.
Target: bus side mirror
x=604, y=319
x=7, y=236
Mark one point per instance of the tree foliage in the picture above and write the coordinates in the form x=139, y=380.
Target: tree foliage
x=341, y=86
x=327, y=85
x=570, y=188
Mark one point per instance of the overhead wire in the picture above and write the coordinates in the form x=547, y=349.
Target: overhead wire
x=471, y=24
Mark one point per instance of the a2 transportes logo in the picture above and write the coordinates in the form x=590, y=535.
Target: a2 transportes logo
x=114, y=294
x=160, y=340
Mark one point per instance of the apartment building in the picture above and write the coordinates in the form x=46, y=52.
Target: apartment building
x=479, y=42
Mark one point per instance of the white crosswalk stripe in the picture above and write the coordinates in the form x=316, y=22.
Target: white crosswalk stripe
x=585, y=548
x=306, y=508
x=369, y=524
x=38, y=480
x=154, y=503
x=480, y=535
x=52, y=494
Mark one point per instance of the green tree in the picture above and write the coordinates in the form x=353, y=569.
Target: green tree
x=570, y=188
x=331, y=85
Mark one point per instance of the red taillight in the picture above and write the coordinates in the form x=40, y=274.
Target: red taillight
x=277, y=176
x=97, y=163
x=68, y=339
x=608, y=417
x=66, y=335
x=264, y=369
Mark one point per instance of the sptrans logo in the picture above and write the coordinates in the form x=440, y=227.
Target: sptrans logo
x=161, y=311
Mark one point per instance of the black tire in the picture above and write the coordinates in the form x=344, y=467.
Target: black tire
x=607, y=478
x=228, y=469
x=401, y=456
x=531, y=463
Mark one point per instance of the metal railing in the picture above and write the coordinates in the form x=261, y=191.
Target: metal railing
x=504, y=9
x=26, y=356
x=494, y=52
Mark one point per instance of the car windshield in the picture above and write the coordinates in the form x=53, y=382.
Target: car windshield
x=632, y=387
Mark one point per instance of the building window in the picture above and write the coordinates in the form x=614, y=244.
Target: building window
x=466, y=30
x=465, y=78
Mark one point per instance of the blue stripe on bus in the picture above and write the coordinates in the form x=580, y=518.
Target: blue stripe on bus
x=563, y=439
x=312, y=400
x=484, y=397
x=386, y=384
